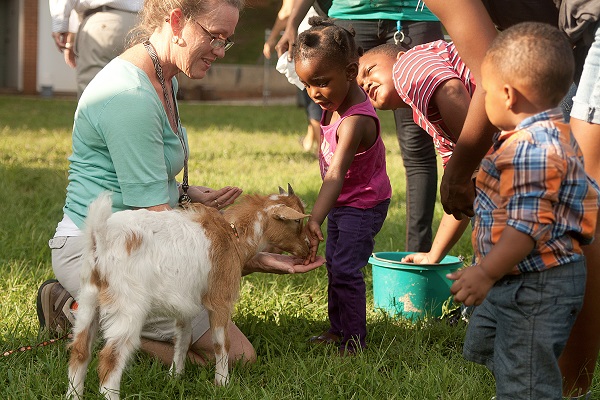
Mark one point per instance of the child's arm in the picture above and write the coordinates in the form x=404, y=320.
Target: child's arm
x=448, y=233
x=472, y=40
x=452, y=100
x=472, y=284
x=351, y=133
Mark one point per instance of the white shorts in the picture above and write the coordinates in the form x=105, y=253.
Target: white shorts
x=586, y=103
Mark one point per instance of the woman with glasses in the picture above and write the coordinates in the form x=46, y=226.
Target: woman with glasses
x=127, y=139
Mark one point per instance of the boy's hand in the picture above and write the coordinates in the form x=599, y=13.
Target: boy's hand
x=314, y=234
x=471, y=285
x=418, y=258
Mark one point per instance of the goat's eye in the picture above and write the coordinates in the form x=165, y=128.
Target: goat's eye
x=297, y=220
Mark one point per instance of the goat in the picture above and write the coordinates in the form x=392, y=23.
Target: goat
x=138, y=262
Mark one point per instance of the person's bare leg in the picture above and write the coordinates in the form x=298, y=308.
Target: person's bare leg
x=313, y=132
x=202, y=350
x=316, y=127
x=308, y=140
x=578, y=359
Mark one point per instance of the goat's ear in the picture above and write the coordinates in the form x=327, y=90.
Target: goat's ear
x=287, y=213
x=281, y=191
x=290, y=190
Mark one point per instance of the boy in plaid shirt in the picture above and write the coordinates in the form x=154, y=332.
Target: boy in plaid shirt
x=535, y=208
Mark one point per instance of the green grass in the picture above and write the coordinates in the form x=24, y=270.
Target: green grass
x=257, y=149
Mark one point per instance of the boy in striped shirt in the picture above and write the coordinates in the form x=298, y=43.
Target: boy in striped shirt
x=432, y=80
x=535, y=207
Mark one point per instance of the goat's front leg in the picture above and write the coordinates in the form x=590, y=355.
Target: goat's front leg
x=219, y=322
x=183, y=338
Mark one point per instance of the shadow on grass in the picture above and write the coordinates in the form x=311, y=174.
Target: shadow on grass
x=31, y=204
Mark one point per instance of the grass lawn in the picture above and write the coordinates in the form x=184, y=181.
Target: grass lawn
x=257, y=149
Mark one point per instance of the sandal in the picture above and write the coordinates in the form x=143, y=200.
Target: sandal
x=54, y=308
x=326, y=338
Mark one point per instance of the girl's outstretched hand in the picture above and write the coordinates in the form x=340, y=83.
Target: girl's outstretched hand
x=315, y=236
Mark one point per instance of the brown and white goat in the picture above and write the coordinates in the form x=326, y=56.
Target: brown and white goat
x=169, y=263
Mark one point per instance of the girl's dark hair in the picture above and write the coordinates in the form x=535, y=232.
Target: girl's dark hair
x=327, y=40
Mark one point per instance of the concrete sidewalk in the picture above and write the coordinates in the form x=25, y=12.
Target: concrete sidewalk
x=269, y=101
x=236, y=82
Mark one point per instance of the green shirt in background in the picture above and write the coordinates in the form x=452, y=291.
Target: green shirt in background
x=380, y=9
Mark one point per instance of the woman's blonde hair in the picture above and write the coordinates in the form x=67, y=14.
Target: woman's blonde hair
x=154, y=12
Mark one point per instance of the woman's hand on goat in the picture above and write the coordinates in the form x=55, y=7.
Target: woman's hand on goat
x=218, y=199
x=280, y=264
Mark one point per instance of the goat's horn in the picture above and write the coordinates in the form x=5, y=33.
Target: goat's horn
x=281, y=191
x=290, y=190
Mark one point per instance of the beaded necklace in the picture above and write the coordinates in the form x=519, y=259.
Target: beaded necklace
x=184, y=198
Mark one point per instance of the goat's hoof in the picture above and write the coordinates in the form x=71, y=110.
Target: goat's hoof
x=221, y=380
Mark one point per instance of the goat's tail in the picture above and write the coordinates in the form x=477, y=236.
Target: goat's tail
x=95, y=230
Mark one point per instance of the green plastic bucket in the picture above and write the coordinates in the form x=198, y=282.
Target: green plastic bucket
x=411, y=290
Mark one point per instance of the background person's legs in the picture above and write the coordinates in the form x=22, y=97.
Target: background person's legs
x=102, y=36
x=420, y=164
x=313, y=132
x=418, y=154
x=579, y=357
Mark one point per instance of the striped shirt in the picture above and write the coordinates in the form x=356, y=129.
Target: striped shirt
x=535, y=182
x=417, y=74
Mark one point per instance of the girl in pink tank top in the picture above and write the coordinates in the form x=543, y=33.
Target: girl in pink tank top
x=355, y=192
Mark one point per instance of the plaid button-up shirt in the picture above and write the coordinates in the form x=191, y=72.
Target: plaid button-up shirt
x=534, y=181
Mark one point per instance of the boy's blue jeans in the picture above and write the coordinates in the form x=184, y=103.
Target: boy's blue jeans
x=350, y=241
x=521, y=328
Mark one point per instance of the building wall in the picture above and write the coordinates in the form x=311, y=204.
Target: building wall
x=10, y=38
x=30, y=62
x=52, y=70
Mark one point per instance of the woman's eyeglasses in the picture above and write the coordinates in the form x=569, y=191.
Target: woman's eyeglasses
x=215, y=41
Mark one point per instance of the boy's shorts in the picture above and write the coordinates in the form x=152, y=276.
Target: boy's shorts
x=66, y=263
x=521, y=328
x=586, y=103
